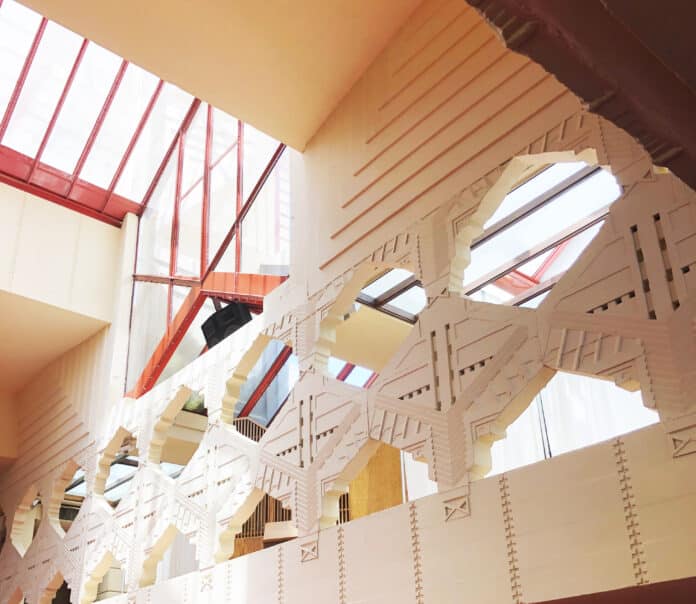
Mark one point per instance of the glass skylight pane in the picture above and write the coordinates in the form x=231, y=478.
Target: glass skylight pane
x=571, y=252
x=117, y=472
x=79, y=490
x=260, y=369
x=493, y=294
x=189, y=250
x=358, y=376
x=536, y=300
x=125, y=112
x=224, y=135
x=386, y=282
x=223, y=208
x=258, y=149
x=157, y=135
x=194, y=151
x=534, y=187
x=170, y=468
x=412, y=301
x=81, y=109
x=588, y=196
x=276, y=393
x=49, y=71
x=18, y=27
x=334, y=366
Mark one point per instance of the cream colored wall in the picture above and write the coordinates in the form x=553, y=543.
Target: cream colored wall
x=440, y=106
x=57, y=256
x=609, y=516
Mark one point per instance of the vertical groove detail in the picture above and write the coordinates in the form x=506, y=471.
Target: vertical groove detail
x=342, y=595
x=281, y=577
x=510, y=540
x=640, y=570
x=416, y=553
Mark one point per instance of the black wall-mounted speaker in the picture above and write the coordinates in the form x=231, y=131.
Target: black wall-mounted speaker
x=225, y=322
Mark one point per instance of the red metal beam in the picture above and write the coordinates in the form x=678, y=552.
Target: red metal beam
x=97, y=125
x=169, y=342
x=245, y=208
x=59, y=106
x=239, y=195
x=549, y=260
x=345, y=372
x=371, y=380
x=271, y=374
x=21, y=80
x=205, y=204
x=133, y=141
x=185, y=123
x=248, y=288
x=174, y=241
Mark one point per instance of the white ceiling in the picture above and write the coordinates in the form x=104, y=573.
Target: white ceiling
x=280, y=65
x=32, y=334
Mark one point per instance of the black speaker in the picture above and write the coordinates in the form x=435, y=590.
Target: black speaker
x=225, y=322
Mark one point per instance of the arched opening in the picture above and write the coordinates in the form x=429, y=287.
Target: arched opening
x=117, y=467
x=62, y=595
x=172, y=555
x=265, y=389
x=179, y=431
x=56, y=592
x=27, y=520
x=69, y=492
x=543, y=223
x=571, y=412
x=112, y=582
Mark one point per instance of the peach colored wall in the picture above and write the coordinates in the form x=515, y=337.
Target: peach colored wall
x=8, y=429
x=441, y=106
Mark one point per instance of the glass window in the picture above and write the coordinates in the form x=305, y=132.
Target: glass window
x=589, y=195
x=358, y=376
x=158, y=133
x=386, y=282
x=18, y=26
x=119, y=126
x=42, y=89
x=412, y=301
x=81, y=109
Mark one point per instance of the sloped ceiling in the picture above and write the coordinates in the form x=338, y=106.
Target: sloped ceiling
x=280, y=65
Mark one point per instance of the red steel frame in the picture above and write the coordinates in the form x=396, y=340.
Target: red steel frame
x=236, y=286
x=265, y=382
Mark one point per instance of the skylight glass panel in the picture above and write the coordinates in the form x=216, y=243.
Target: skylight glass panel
x=258, y=150
x=533, y=188
x=536, y=300
x=412, y=301
x=259, y=371
x=493, y=294
x=42, y=89
x=386, y=282
x=588, y=196
x=224, y=135
x=157, y=135
x=18, y=27
x=358, y=376
x=194, y=152
x=171, y=469
x=82, y=107
x=121, y=121
x=334, y=366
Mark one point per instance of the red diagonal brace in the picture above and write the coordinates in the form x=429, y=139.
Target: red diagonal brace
x=271, y=374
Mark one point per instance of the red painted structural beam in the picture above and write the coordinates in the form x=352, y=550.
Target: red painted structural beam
x=250, y=288
x=205, y=203
x=185, y=123
x=345, y=372
x=239, y=195
x=271, y=374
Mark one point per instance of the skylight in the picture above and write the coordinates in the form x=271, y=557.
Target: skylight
x=537, y=233
x=396, y=292
x=79, y=125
